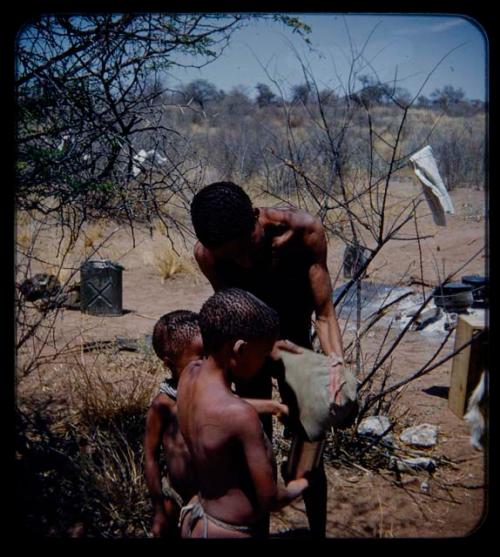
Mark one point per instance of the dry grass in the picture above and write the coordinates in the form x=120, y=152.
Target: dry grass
x=92, y=234
x=83, y=462
x=107, y=384
x=169, y=256
x=168, y=263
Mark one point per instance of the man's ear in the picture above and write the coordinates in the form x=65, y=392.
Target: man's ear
x=239, y=348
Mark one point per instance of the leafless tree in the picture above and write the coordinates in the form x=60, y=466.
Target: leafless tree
x=344, y=174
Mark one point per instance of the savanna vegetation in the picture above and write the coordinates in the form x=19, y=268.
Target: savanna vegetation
x=105, y=143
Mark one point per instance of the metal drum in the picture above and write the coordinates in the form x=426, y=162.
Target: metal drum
x=101, y=287
x=480, y=290
x=453, y=297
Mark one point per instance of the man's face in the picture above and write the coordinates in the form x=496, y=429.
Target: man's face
x=241, y=250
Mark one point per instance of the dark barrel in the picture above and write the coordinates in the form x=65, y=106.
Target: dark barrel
x=101, y=287
x=480, y=289
x=454, y=297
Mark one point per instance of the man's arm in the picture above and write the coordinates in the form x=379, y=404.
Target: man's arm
x=326, y=323
x=252, y=437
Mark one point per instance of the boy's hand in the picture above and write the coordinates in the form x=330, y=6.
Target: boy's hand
x=160, y=524
x=280, y=410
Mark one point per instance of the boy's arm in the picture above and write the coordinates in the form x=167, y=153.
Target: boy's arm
x=252, y=437
x=155, y=425
x=268, y=406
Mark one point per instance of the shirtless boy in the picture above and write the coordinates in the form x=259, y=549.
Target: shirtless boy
x=230, y=451
x=279, y=255
x=177, y=342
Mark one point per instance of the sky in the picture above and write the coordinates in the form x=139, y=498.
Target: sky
x=406, y=47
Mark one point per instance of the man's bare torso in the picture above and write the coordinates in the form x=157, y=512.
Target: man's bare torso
x=279, y=271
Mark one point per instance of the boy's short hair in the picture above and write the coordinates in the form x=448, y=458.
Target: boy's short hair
x=233, y=313
x=173, y=332
x=221, y=212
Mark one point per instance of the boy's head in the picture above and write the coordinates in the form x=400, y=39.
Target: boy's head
x=177, y=340
x=222, y=215
x=235, y=321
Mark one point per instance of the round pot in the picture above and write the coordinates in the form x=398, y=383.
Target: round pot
x=479, y=286
x=453, y=297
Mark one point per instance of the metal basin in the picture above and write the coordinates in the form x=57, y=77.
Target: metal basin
x=453, y=297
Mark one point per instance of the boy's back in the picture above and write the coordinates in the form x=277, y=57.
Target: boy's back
x=176, y=341
x=224, y=433
x=180, y=468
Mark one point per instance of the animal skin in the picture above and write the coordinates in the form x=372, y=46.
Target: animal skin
x=476, y=413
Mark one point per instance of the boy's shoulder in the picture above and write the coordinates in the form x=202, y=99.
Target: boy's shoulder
x=238, y=414
x=163, y=404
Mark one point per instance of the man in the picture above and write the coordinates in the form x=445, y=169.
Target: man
x=280, y=256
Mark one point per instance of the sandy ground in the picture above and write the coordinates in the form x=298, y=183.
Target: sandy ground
x=361, y=502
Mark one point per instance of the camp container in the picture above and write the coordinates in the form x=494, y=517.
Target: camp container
x=101, y=287
x=453, y=297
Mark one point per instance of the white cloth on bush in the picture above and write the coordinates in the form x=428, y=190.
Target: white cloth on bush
x=426, y=169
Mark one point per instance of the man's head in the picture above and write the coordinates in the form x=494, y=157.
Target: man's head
x=222, y=215
x=237, y=323
x=177, y=340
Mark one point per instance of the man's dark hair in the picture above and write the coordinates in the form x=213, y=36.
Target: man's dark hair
x=233, y=313
x=173, y=332
x=221, y=212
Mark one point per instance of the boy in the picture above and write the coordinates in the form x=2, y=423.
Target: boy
x=177, y=342
x=229, y=449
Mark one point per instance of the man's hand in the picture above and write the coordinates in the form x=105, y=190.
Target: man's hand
x=335, y=360
x=336, y=363
x=286, y=345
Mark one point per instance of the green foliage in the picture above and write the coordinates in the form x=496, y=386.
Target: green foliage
x=296, y=25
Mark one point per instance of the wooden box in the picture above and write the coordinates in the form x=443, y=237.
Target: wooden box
x=468, y=363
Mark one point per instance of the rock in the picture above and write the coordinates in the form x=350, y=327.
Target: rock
x=40, y=286
x=426, y=318
x=423, y=435
x=410, y=464
x=374, y=427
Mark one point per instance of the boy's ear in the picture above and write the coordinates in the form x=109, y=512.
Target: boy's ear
x=239, y=347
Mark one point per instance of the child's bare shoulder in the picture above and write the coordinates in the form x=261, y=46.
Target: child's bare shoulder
x=239, y=415
x=162, y=404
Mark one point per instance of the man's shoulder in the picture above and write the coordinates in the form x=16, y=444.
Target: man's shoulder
x=292, y=218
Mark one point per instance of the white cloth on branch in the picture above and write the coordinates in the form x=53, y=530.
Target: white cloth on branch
x=142, y=156
x=426, y=169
